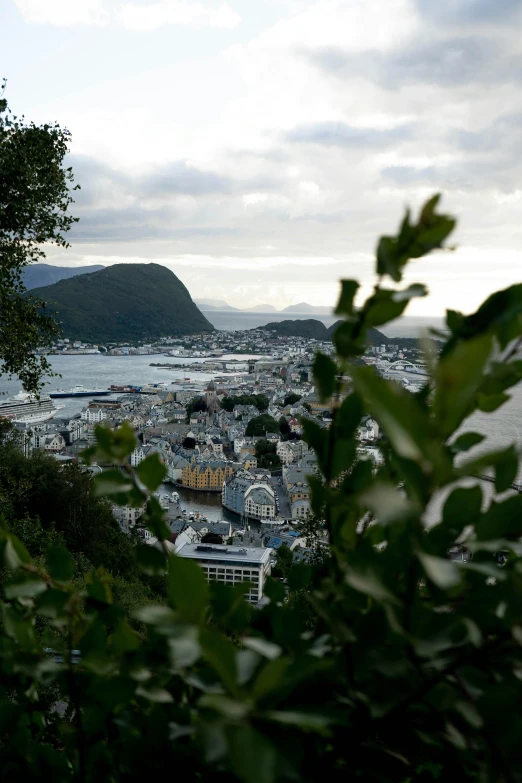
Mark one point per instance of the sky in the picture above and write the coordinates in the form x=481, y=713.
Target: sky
x=258, y=148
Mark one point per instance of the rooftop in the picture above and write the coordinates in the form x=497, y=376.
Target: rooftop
x=251, y=554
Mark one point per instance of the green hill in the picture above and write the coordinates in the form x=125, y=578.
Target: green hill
x=124, y=302
x=315, y=330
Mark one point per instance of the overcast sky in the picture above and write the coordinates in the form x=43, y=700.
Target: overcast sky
x=259, y=147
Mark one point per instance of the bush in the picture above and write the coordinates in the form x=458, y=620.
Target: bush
x=388, y=661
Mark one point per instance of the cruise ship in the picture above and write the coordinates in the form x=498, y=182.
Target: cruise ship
x=27, y=408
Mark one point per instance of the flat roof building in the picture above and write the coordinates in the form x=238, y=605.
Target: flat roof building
x=232, y=564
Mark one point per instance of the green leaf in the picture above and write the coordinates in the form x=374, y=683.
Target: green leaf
x=157, y=695
x=262, y=646
x=317, y=439
x=325, y=375
x=501, y=520
x=253, y=757
x=12, y=552
x=458, y=376
x=60, y=563
x=345, y=305
x=386, y=305
x=151, y=471
x=466, y=441
x=367, y=581
x=111, y=482
x=187, y=588
x=506, y=469
x=221, y=655
x=413, y=240
x=151, y=560
x=24, y=586
x=490, y=403
x=402, y=418
x=443, y=573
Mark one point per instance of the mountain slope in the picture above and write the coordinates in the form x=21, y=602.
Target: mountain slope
x=124, y=302
x=39, y=275
x=214, y=304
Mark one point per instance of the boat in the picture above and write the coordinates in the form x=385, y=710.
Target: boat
x=79, y=391
x=27, y=408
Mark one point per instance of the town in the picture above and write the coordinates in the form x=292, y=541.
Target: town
x=238, y=436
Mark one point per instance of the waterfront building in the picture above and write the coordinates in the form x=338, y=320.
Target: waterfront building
x=207, y=476
x=232, y=565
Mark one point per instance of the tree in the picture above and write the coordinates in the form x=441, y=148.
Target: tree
x=290, y=399
x=189, y=443
x=35, y=195
x=284, y=561
x=266, y=454
x=414, y=656
x=212, y=538
x=284, y=428
x=196, y=405
x=260, y=425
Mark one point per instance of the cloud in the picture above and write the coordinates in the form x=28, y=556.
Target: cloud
x=185, y=13
x=132, y=16
x=449, y=12
x=450, y=62
x=343, y=135
x=64, y=13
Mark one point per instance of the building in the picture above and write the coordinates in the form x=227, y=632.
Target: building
x=260, y=502
x=233, y=492
x=299, y=491
x=301, y=509
x=232, y=565
x=207, y=476
x=94, y=414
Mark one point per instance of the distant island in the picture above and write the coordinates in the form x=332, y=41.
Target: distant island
x=311, y=329
x=301, y=308
x=123, y=302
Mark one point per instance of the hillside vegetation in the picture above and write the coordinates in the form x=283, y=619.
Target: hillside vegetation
x=124, y=302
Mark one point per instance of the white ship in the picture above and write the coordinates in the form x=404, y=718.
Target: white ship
x=27, y=408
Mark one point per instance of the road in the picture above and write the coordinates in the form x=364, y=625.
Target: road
x=284, y=502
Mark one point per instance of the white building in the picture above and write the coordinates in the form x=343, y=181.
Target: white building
x=93, y=414
x=260, y=502
x=231, y=565
x=137, y=456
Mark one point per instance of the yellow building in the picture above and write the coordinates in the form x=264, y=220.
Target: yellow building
x=207, y=476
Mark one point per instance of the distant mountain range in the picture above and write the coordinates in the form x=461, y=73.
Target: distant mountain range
x=303, y=307
x=38, y=275
x=123, y=302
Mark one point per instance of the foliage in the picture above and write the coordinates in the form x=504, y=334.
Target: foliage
x=35, y=195
x=212, y=538
x=266, y=455
x=284, y=428
x=189, y=443
x=260, y=425
x=407, y=665
x=259, y=401
x=291, y=399
x=284, y=561
x=196, y=405
x=124, y=302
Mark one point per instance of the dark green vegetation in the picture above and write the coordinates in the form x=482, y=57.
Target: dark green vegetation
x=124, y=302
x=259, y=401
x=39, y=275
x=312, y=329
x=385, y=662
x=47, y=505
x=284, y=561
x=35, y=195
x=266, y=455
x=260, y=425
x=291, y=399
